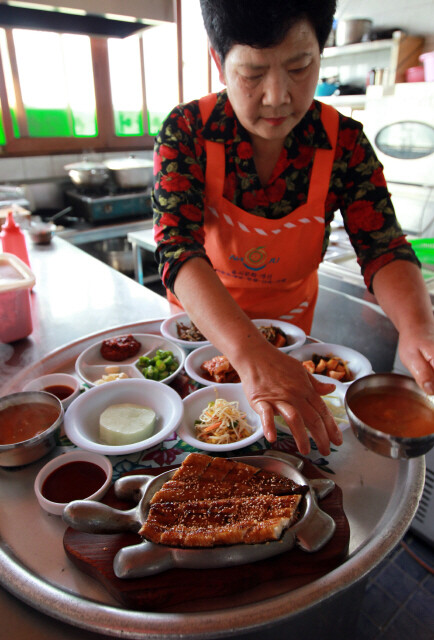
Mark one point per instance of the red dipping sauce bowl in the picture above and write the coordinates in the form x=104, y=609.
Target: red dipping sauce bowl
x=76, y=475
x=64, y=386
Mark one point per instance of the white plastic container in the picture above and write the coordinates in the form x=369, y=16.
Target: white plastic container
x=16, y=281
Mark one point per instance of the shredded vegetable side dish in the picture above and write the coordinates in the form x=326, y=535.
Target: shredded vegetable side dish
x=336, y=407
x=222, y=422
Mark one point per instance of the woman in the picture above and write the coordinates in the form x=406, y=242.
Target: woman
x=246, y=185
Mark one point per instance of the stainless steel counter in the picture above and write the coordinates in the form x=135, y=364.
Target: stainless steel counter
x=87, y=232
x=76, y=295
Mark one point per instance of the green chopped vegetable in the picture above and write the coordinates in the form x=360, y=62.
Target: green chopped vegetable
x=159, y=367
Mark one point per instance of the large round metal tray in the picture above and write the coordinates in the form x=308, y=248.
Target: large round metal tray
x=380, y=499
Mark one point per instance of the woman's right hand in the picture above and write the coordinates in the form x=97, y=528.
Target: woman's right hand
x=277, y=384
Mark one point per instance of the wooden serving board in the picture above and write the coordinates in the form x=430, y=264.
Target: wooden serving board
x=207, y=589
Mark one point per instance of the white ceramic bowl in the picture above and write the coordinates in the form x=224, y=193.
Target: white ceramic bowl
x=356, y=362
x=194, y=360
x=196, y=402
x=335, y=402
x=91, y=366
x=77, y=455
x=56, y=379
x=82, y=418
x=295, y=336
x=169, y=331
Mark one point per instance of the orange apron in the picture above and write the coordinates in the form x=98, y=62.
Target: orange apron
x=268, y=266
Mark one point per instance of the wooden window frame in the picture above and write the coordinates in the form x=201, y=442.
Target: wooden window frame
x=105, y=141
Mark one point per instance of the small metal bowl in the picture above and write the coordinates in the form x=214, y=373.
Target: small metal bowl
x=378, y=441
x=27, y=451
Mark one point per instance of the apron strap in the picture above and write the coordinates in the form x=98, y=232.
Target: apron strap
x=206, y=105
x=324, y=158
x=215, y=154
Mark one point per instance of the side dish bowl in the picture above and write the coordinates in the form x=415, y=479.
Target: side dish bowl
x=356, y=362
x=196, y=358
x=169, y=330
x=197, y=401
x=58, y=384
x=295, y=336
x=75, y=477
x=91, y=366
x=387, y=444
x=82, y=417
x=15, y=454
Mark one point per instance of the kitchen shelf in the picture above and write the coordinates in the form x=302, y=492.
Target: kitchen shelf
x=359, y=47
x=352, y=63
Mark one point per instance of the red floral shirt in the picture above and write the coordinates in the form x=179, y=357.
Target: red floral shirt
x=357, y=185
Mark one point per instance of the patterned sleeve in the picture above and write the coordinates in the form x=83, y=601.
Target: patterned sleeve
x=178, y=193
x=367, y=209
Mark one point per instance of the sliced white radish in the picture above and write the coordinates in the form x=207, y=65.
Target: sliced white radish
x=126, y=423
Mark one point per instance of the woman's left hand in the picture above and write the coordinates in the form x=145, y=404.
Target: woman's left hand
x=416, y=351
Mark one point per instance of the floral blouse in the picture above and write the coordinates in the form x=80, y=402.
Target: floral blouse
x=357, y=185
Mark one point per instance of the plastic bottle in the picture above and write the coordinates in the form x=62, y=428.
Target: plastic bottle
x=13, y=239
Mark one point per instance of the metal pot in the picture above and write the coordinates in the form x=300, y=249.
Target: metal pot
x=27, y=451
x=351, y=31
x=118, y=253
x=131, y=172
x=87, y=174
x=391, y=446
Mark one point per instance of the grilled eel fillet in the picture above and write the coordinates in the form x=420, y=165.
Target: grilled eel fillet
x=216, y=501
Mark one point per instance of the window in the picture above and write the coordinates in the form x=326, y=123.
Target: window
x=63, y=93
x=56, y=85
x=2, y=130
x=126, y=86
x=160, y=57
x=199, y=71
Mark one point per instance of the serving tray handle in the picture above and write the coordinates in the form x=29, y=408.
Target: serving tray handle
x=141, y=560
x=319, y=528
x=95, y=517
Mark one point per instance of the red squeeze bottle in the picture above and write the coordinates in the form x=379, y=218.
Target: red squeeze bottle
x=13, y=240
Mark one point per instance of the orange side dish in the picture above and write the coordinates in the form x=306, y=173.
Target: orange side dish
x=25, y=421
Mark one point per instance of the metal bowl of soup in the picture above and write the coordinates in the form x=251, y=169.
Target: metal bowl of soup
x=391, y=415
x=29, y=423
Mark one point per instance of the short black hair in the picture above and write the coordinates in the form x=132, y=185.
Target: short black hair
x=262, y=23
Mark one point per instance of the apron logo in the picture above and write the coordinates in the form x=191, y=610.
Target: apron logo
x=255, y=259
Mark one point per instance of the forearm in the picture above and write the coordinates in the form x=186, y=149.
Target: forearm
x=401, y=292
